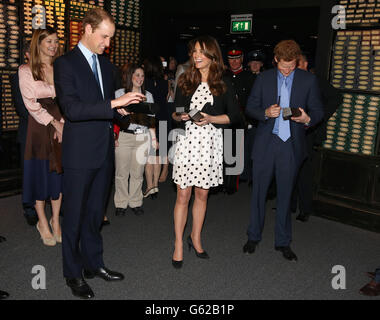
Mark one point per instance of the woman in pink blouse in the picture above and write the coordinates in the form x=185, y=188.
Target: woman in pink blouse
x=42, y=160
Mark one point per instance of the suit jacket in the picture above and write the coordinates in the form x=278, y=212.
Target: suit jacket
x=20, y=109
x=332, y=99
x=87, y=133
x=223, y=104
x=305, y=94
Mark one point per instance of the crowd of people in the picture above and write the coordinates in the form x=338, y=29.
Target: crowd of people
x=84, y=125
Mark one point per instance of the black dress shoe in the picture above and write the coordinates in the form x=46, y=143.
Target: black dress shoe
x=2, y=239
x=103, y=273
x=138, y=211
x=31, y=219
x=105, y=223
x=80, y=288
x=120, y=212
x=371, y=289
x=287, y=253
x=303, y=217
x=250, y=246
x=3, y=295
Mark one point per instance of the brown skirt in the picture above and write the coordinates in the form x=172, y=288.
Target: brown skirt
x=40, y=142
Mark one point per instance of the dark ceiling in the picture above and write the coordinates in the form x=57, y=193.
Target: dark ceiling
x=168, y=24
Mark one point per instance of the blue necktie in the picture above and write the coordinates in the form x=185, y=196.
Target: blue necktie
x=281, y=126
x=95, y=69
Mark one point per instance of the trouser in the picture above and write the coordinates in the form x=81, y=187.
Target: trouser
x=279, y=161
x=85, y=192
x=377, y=276
x=130, y=159
x=303, y=191
x=248, y=145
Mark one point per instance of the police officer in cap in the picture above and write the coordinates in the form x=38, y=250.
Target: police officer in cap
x=256, y=59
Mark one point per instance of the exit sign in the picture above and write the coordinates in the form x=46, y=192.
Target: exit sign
x=241, y=23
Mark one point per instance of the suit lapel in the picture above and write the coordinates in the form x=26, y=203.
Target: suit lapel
x=105, y=75
x=293, y=92
x=85, y=70
x=274, y=85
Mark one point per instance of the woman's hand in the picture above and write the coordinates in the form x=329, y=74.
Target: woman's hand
x=116, y=143
x=205, y=120
x=57, y=125
x=123, y=112
x=58, y=136
x=180, y=117
x=155, y=144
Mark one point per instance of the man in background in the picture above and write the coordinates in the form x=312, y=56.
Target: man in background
x=29, y=210
x=242, y=81
x=315, y=136
x=256, y=60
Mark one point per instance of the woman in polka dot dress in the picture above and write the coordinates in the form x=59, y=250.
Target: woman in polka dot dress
x=198, y=157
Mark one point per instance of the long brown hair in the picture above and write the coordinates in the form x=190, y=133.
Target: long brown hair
x=127, y=77
x=189, y=81
x=35, y=57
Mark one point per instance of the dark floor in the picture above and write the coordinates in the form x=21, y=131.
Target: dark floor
x=141, y=248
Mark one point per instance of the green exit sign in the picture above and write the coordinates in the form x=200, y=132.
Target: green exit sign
x=241, y=23
x=241, y=26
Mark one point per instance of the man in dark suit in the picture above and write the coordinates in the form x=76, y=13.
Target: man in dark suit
x=280, y=147
x=30, y=213
x=332, y=99
x=85, y=91
x=3, y=294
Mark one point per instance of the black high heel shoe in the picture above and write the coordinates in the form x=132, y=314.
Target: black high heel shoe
x=177, y=264
x=202, y=255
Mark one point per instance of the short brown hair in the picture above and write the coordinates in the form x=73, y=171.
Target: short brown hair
x=287, y=50
x=94, y=18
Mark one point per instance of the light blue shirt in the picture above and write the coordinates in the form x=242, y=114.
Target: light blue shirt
x=289, y=82
x=88, y=55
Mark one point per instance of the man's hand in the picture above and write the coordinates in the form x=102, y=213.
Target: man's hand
x=273, y=111
x=303, y=118
x=127, y=99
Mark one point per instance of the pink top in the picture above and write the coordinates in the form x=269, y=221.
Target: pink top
x=31, y=90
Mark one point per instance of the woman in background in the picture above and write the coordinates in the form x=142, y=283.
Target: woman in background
x=158, y=86
x=133, y=134
x=42, y=160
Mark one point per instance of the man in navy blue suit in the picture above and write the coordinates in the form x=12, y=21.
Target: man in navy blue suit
x=280, y=146
x=85, y=91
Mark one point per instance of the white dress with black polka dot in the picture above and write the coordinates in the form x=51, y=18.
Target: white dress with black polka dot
x=198, y=158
